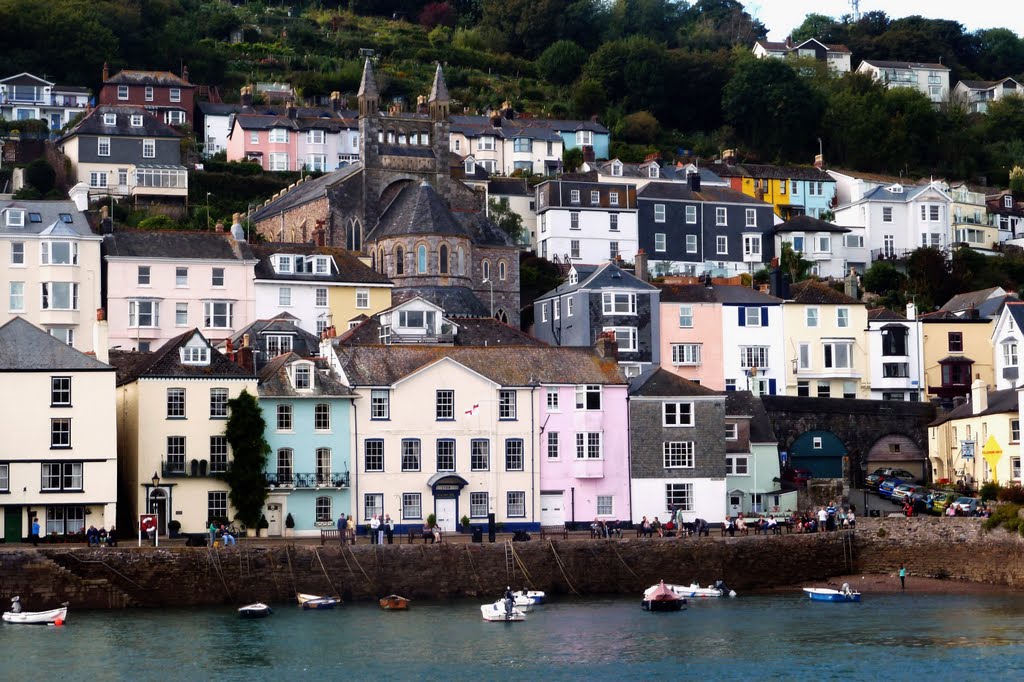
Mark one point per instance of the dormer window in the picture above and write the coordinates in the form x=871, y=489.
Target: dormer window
x=652, y=171
x=136, y=120
x=895, y=189
x=617, y=170
x=416, y=319
x=470, y=166
x=574, y=278
x=109, y=119
x=15, y=218
x=303, y=377
x=284, y=264
x=1008, y=201
x=322, y=265
x=195, y=355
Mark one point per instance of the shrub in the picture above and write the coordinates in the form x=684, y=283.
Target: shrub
x=289, y=521
x=158, y=222
x=882, y=532
x=1004, y=515
x=1011, y=493
x=989, y=491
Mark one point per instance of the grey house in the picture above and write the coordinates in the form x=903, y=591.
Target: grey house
x=602, y=299
x=126, y=152
x=677, y=448
x=687, y=229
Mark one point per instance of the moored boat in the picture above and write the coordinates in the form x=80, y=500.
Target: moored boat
x=695, y=591
x=537, y=597
x=312, y=601
x=660, y=598
x=394, y=602
x=53, y=616
x=845, y=594
x=501, y=611
x=257, y=610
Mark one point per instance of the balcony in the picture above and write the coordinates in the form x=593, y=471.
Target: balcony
x=305, y=481
x=431, y=338
x=890, y=254
x=197, y=468
x=588, y=468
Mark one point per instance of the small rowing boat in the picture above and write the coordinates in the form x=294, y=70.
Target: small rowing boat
x=53, y=616
x=826, y=594
x=394, y=602
x=312, y=601
x=695, y=591
x=660, y=598
x=257, y=610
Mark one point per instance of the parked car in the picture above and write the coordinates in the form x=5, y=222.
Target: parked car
x=878, y=476
x=966, y=505
x=889, y=485
x=797, y=476
x=941, y=499
x=905, y=490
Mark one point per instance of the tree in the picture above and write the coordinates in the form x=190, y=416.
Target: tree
x=562, y=62
x=437, y=14
x=815, y=26
x=794, y=264
x=249, y=448
x=40, y=174
x=509, y=221
x=639, y=128
x=630, y=71
x=588, y=99
x=888, y=283
x=572, y=159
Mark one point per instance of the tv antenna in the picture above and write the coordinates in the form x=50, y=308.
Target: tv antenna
x=855, y=6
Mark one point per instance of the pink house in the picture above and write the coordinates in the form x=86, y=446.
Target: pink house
x=584, y=463
x=691, y=334
x=162, y=283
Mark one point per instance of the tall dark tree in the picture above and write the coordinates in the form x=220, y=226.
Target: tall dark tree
x=249, y=449
x=505, y=218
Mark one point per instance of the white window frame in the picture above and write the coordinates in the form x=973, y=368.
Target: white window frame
x=737, y=465
x=677, y=454
x=751, y=217
x=618, y=303
x=677, y=413
x=659, y=213
x=103, y=146
x=686, y=317
x=691, y=214
x=721, y=216
x=148, y=148
x=660, y=242
x=686, y=354
x=811, y=317
x=625, y=338
x=691, y=243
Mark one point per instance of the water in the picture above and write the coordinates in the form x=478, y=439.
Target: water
x=780, y=636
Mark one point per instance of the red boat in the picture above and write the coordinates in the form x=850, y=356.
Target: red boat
x=661, y=598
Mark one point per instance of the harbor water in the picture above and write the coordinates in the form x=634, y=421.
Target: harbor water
x=777, y=636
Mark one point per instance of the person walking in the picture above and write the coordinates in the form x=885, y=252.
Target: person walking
x=680, y=528
x=342, y=527
x=213, y=532
x=903, y=577
x=35, y=532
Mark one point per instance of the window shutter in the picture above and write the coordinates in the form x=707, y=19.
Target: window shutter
x=764, y=316
x=743, y=316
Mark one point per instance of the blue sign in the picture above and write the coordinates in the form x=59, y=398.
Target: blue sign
x=783, y=455
x=967, y=449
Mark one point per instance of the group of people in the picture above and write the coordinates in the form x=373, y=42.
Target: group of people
x=828, y=518
x=222, y=533
x=381, y=527
x=605, y=529
x=347, y=528
x=651, y=528
x=101, y=537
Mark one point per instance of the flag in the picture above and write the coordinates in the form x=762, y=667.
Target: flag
x=471, y=411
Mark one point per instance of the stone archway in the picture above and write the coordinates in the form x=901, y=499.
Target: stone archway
x=822, y=452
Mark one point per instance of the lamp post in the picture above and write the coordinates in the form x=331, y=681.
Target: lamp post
x=488, y=282
x=155, y=509
x=208, y=210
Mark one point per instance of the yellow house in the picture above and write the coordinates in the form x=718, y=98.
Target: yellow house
x=970, y=220
x=351, y=299
x=978, y=440
x=826, y=343
x=172, y=409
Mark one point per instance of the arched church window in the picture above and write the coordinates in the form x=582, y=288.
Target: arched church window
x=501, y=270
x=380, y=260
x=501, y=315
x=486, y=267
x=442, y=265
x=461, y=262
x=421, y=259
x=399, y=260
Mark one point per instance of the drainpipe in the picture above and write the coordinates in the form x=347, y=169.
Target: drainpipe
x=572, y=505
x=354, y=462
x=534, y=475
x=629, y=461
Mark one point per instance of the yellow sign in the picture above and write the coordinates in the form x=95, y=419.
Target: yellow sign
x=992, y=454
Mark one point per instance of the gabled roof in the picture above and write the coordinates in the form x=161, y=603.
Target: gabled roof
x=304, y=344
x=417, y=210
x=92, y=123
x=660, y=383
x=454, y=300
x=161, y=78
x=999, y=402
x=884, y=314
x=274, y=381
x=175, y=244
x=905, y=196
x=682, y=192
x=526, y=366
x=25, y=347
x=165, y=363
x=349, y=268
x=772, y=46
x=806, y=223
x=971, y=299
x=308, y=191
x=50, y=212
x=605, y=276
x=812, y=292
x=770, y=172
x=716, y=293
x=745, y=403
x=25, y=78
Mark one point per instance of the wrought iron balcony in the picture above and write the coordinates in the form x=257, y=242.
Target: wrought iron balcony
x=314, y=480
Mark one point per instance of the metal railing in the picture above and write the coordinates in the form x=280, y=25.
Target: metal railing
x=308, y=480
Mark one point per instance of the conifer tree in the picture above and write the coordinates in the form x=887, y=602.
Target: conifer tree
x=249, y=448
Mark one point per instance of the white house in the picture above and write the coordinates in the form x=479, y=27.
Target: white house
x=976, y=95
x=27, y=97
x=828, y=247
x=932, y=80
x=586, y=222
x=836, y=56
x=1007, y=342
x=894, y=354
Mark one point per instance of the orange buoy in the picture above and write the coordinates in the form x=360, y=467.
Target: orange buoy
x=59, y=622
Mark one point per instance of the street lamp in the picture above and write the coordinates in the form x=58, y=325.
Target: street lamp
x=487, y=281
x=208, y=210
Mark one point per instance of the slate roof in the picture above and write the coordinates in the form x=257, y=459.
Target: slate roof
x=455, y=301
x=162, y=78
x=606, y=275
x=50, y=214
x=520, y=126
x=999, y=402
x=716, y=293
x=418, y=209
x=384, y=365
x=92, y=123
x=472, y=331
x=745, y=403
x=274, y=382
x=350, y=268
x=658, y=382
x=439, y=89
x=682, y=192
x=984, y=311
x=310, y=190
x=667, y=172
x=304, y=344
x=1016, y=310
x=484, y=231
x=165, y=363
x=906, y=196
x=812, y=292
x=267, y=121
x=771, y=172
x=791, y=46
x=509, y=187
x=127, y=362
x=25, y=347
x=884, y=314
x=971, y=299
x=905, y=65
x=175, y=244
x=806, y=223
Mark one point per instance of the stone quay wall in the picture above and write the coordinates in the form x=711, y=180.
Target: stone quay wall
x=956, y=549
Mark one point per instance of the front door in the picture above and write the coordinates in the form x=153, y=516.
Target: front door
x=158, y=506
x=12, y=524
x=551, y=513
x=735, y=504
x=444, y=510
x=274, y=519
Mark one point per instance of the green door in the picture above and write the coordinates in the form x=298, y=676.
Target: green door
x=12, y=524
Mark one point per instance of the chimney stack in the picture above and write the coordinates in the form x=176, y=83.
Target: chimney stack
x=640, y=266
x=237, y=233
x=729, y=157
x=694, y=179
x=101, y=337
x=607, y=347
x=106, y=72
x=911, y=311
x=184, y=73
x=979, y=396
x=292, y=111
x=246, y=96
x=819, y=161
x=850, y=283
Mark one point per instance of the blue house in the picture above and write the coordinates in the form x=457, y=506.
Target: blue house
x=583, y=134
x=308, y=414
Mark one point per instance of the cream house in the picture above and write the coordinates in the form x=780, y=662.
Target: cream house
x=172, y=405
x=51, y=273
x=58, y=457
x=826, y=344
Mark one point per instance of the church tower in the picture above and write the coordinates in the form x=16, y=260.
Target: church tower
x=437, y=107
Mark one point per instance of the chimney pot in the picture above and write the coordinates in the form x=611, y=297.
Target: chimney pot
x=245, y=341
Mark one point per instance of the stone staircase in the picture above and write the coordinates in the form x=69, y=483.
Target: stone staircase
x=101, y=586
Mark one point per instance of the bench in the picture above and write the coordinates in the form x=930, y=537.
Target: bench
x=554, y=531
x=416, y=533
x=331, y=534
x=780, y=525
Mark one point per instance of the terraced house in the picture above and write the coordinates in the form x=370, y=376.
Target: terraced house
x=791, y=190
